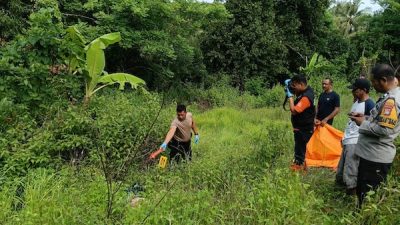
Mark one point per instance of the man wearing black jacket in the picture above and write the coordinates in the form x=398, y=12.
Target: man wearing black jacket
x=303, y=113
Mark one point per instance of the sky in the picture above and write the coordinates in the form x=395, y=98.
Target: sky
x=365, y=4
x=370, y=3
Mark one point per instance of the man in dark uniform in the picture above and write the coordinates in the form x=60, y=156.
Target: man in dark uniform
x=303, y=113
x=328, y=104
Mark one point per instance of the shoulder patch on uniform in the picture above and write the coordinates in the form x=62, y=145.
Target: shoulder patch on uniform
x=388, y=116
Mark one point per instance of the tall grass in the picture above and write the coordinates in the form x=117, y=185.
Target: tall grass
x=56, y=198
x=239, y=175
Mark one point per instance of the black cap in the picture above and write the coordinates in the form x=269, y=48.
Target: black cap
x=360, y=83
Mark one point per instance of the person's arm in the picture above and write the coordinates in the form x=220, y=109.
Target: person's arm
x=335, y=111
x=369, y=105
x=317, y=121
x=374, y=129
x=385, y=124
x=302, y=105
x=196, y=132
x=331, y=116
x=168, y=138
x=194, y=128
x=292, y=107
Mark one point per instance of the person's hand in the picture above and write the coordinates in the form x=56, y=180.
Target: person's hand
x=196, y=139
x=323, y=122
x=358, y=118
x=163, y=146
x=355, y=114
x=288, y=93
x=287, y=90
x=317, y=122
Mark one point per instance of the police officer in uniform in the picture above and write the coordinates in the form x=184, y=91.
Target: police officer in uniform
x=375, y=145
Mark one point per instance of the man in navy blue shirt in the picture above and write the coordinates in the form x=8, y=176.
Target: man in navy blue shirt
x=328, y=104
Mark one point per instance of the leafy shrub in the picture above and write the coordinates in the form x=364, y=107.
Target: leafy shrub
x=123, y=127
x=32, y=66
x=221, y=93
x=8, y=113
x=116, y=121
x=273, y=97
x=256, y=86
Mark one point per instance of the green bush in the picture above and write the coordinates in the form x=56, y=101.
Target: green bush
x=256, y=86
x=273, y=97
x=221, y=93
x=118, y=122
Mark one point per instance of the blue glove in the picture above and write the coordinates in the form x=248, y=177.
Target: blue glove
x=196, y=139
x=287, y=81
x=288, y=93
x=287, y=90
x=163, y=146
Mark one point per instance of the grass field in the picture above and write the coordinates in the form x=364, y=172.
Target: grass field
x=239, y=175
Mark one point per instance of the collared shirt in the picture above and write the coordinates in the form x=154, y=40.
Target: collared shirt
x=377, y=134
x=327, y=102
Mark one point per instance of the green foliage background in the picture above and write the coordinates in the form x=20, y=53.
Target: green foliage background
x=226, y=61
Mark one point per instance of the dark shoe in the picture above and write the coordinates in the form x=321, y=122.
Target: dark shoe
x=351, y=191
x=340, y=183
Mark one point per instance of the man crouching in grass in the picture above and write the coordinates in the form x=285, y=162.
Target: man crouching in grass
x=179, y=135
x=303, y=113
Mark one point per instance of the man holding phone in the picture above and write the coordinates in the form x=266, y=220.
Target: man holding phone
x=348, y=165
x=375, y=145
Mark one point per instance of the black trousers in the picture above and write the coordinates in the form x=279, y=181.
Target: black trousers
x=180, y=150
x=301, y=138
x=370, y=176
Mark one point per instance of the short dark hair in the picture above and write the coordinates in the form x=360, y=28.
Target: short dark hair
x=181, y=108
x=299, y=78
x=329, y=79
x=381, y=71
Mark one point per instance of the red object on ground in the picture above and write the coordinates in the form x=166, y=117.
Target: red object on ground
x=156, y=153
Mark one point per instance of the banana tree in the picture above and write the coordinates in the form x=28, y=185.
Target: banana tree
x=75, y=62
x=92, y=66
x=97, y=78
x=312, y=65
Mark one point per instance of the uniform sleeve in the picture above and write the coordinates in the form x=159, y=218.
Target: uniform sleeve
x=302, y=105
x=369, y=105
x=383, y=125
x=337, y=100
